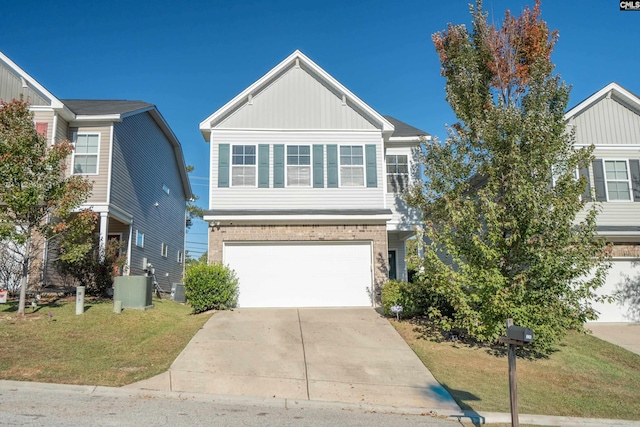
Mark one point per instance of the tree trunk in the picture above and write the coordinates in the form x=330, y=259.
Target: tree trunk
x=25, y=273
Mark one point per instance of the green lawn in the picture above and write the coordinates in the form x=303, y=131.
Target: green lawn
x=99, y=347
x=585, y=377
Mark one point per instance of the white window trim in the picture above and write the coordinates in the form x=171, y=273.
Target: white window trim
x=231, y=166
x=606, y=181
x=138, y=235
x=73, y=154
x=387, y=174
x=180, y=257
x=363, y=166
x=286, y=166
x=164, y=250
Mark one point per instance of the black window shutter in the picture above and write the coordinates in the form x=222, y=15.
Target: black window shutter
x=586, y=195
x=634, y=164
x=598, y=180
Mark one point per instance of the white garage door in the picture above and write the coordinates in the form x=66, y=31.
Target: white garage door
x=302, y=274
x=623, y=275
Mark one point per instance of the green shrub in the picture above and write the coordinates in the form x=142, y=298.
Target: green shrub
x=211, y=287
x=395, y=292
x=417, y=299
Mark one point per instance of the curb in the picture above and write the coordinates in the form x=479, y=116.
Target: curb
x=479, y=418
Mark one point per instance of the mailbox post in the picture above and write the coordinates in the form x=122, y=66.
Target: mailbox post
x=516, y=336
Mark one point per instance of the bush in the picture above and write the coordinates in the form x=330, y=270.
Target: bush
x=211, y=287
x=416, y=299
x=395, y=292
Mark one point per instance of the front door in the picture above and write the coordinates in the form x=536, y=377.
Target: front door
x=392, y=265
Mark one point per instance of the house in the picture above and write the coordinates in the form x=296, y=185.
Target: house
x=610, y=120
x=135, y=162
x=305, y=189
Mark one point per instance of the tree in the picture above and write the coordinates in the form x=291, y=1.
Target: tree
x=501, y=194
x=37, y=200
x=193, y=210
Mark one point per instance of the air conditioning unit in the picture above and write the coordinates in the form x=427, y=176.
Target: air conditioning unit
x=178, y=292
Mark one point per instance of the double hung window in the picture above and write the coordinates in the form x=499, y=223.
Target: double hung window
x=351, y=166
x=617, y=178
x=397, y=173
x=243, y=166
x=298, y=166
x=85, y=154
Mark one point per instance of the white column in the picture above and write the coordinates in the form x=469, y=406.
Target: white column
x=104, y=232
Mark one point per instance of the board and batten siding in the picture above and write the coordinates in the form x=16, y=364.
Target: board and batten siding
x=403, y=217
x=295, y=197
x=296, y=100
x=99, y=181
x=607, y=122
x=144, y=161
x=11, y=88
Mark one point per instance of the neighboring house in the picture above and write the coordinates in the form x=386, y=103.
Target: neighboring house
x=135, y=162
x=610, y=120
x=305, y=190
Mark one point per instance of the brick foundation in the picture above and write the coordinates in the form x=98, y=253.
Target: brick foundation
x=376, y=233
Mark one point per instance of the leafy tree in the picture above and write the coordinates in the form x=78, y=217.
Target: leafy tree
x=501, y=194
x=193, y=210
x=37, y=200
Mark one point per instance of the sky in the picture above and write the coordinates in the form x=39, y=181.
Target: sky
x=189, y=58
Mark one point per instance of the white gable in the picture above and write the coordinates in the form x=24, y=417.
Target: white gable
x=296, y=94
x=606, y=122
x=296, y=100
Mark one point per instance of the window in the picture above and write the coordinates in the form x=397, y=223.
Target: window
x=165, y=250
x=351, y=166
x=165, y=188
x=397, y=173
x=243, y=166
x=617, y=177
x=180, y=257
x=298, y=165
x=139, y=239
x=85, y=154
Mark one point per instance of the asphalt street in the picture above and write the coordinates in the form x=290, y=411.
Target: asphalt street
x=35, y=404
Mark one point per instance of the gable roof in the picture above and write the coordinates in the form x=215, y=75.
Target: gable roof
x=404, y=130
x=614, y=90
x=296, y=58
x=32, y=84
x=108, y=107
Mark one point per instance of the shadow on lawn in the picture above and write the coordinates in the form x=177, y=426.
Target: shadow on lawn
x=427, y=330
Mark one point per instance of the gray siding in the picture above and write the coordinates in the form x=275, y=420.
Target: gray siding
x=143, y=160
x=100, y=181
x=296, y=100
x=616, y=212
x=399, y=246
x=607, y=122
x=11, y=87
x=403, y=217
x=295, y=197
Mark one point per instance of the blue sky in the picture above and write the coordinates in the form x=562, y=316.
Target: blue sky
x=190, y=57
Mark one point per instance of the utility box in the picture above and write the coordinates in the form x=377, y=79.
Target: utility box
x=178, y=292
x=133, y=291
x=519, y=333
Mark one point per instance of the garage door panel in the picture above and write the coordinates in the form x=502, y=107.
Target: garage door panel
x=622, y=275
x=302, y=274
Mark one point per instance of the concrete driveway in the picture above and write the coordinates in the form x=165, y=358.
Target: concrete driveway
x=337, y=355
x=625, y=335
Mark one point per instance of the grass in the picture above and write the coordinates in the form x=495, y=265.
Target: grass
x=584, y=377
x=99, y=347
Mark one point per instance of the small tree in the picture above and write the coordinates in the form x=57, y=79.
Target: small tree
x=501, y=194
x=36, y=198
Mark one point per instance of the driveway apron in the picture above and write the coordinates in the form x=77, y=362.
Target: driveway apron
x=339, y=355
